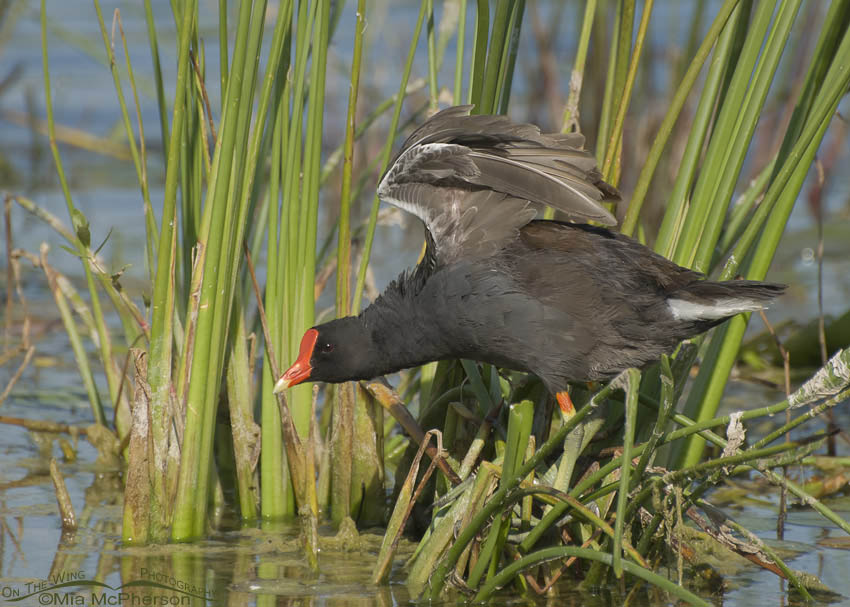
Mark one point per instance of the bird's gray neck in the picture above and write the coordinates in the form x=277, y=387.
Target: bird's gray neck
x=404, y=331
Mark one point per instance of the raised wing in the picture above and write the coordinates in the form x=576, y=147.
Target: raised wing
x=466, y=223
x=470, y=179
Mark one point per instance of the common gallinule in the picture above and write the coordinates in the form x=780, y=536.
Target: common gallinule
x=564, y=301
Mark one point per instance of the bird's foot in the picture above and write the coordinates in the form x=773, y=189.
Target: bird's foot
x=565, y=403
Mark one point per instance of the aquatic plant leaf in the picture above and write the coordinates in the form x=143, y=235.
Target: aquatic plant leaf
x=81, y=227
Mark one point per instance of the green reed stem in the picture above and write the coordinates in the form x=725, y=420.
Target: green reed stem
x=81, y=242
x=157, y=72
x=564, y=552
x=137, y=152
x=457, y=93
x=772, y=214
x=495, y=503
x=213, y=309
x=570, y=119
x=620, y=118
x=676, y=205
x=618, y=60
x=632, y=388
x=506, y=72
x=385, y=159
x=498, y=34
x=433, y=89
x=343, y=457
x=479, y=55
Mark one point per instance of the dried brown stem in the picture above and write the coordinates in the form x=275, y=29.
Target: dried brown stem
x=203, y=89
x=40, y=425
x=391, y=401
x=66, y=508
x=10, y=272
x=24, y=363
x=382, y=568
x=137, y=494
x=786, y=364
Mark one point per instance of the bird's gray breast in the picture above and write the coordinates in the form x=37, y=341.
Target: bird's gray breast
x=492, y=317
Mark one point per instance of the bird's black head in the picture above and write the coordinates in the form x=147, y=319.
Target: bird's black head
x=337, y=351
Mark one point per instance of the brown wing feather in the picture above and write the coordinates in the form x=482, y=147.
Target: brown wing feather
x=456, y=155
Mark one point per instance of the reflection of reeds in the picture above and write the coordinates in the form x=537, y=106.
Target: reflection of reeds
x=518, y=493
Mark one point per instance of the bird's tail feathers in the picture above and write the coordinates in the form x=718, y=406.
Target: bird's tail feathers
x=705, y=300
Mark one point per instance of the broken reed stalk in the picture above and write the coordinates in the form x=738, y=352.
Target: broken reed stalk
x=403, y=508
x=391, y=401
x=137, y=492
x=66, y=507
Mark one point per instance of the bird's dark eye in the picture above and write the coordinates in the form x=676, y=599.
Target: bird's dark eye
x=327, y=348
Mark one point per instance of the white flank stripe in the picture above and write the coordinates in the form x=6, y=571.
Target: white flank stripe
x=689, y=310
